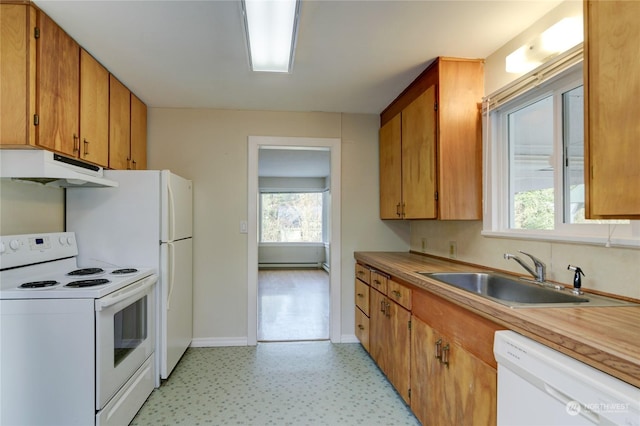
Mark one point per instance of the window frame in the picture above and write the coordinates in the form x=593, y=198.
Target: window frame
x=496, y=157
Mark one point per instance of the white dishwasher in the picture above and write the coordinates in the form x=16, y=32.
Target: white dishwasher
x=540, y=386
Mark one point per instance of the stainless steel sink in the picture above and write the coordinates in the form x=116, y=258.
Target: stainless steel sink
x=518, y=293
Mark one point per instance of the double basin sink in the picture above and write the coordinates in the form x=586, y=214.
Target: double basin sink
x=519, y=293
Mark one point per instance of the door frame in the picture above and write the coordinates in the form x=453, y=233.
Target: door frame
x=335, y=287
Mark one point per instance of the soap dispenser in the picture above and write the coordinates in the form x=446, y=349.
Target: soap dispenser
x=577, y=279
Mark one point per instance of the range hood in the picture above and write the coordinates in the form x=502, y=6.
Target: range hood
x=50, y=169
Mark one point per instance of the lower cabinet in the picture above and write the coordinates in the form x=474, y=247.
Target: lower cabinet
x=437, y=355
x=390, y=340
x=453, y=372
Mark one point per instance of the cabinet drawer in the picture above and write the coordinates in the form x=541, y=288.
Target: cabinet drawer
x=399, y=294
x=362, y=296
x=362, y=328
x=379, y=281
x=363, y=273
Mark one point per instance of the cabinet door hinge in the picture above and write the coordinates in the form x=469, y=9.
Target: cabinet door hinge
x=409, y=324
x=36, y=32
x=36, y=119
x=436, y=195
x=435, y=106
x=409, y=393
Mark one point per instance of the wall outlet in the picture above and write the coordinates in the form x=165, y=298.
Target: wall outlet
x=453, y=249
x=424, y=244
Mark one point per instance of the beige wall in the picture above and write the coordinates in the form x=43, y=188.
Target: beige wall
x=612, y=270
x=210, y=147
x=27, y=208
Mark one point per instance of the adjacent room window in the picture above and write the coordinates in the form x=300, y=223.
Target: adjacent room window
x=535, y=165
x=291, y=217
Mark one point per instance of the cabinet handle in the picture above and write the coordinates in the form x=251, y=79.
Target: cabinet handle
x=377, y=282
x=398, y=210
x=76, y=143
x=128, y=163
x=135, y=167
x=360, y=295
x=388, y=310
x=360, y=272
x=445, y=355
x=86, y=147
x=361, y=327
x=382, y=307
x=397, y=294
x=439, y=349
x=403, y=206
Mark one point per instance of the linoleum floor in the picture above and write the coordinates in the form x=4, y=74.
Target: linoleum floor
x=292, y=383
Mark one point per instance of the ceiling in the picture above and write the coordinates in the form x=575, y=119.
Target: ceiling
x=351, y=56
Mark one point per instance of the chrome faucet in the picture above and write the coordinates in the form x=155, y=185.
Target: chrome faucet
x=538, y=274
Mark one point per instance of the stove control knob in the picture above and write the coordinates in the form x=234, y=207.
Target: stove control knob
x=70, y=240
x=14, y=244
x=62, y=240
x=2, y=249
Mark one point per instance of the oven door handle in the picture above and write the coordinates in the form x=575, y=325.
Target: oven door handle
x=129, y=292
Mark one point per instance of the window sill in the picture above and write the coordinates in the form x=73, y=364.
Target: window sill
x=563, y=238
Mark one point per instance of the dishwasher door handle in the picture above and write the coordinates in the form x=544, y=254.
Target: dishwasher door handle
x=572, y=406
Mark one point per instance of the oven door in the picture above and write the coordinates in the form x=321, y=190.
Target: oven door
x=125, y=336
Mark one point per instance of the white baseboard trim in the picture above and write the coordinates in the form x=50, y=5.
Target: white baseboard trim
x=349, y=338
x=211, y=342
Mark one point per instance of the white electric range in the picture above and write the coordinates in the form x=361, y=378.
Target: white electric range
x=77, y=343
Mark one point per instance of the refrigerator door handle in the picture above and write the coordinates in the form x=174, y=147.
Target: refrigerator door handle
x=172, y=215
x=172, y=273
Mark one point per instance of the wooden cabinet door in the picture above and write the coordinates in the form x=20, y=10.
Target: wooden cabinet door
x=94, y=110
x=612, y=87
x=399, y=348
x=378, y=326
x=138, y=134
x=119, y=125
x=58, y=79
x=419, y=157
x=17, y=67
x=460, y=91
x=391, y=169
x=422, y=370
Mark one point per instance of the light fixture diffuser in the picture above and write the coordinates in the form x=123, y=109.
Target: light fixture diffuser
x=271, y=28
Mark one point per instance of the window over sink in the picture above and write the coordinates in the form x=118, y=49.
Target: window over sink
x=534, y=162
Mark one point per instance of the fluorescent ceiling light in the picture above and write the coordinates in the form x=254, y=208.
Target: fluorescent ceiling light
x=271, y=28
x=556, y=39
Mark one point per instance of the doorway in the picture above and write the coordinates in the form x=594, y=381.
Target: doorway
x=331, y=240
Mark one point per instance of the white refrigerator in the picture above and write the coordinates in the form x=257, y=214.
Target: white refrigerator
x=144, y=222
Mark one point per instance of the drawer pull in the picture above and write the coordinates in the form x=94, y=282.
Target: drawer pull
x=439, y=349
x=445, y=355
x=361, y=327
x=360, y=295
x=397, y=294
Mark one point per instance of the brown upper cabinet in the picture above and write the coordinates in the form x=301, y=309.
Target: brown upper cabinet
x=55, y=95
x=612, y=128
x=94, y=110
x=431, y=145
x=119, y=125
x=138, y=134
x=127, y=128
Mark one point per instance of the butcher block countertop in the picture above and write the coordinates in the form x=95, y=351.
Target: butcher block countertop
x=607, y=338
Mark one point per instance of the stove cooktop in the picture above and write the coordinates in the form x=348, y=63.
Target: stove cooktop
x=44, y=267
